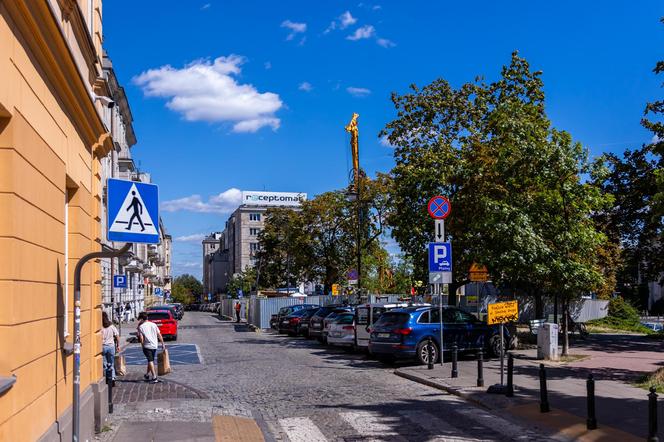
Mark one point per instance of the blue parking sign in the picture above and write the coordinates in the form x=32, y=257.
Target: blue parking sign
x=440, y=257
x=120, y=281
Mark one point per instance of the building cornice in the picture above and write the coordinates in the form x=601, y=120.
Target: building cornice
x=43, y=35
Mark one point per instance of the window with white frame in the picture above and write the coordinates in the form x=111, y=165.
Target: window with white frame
x=254, y=231
x=254, y=217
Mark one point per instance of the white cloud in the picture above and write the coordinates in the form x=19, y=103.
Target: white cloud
x=385, y=142
x=346, y=19
x=358, y=91
x=366, y=31
x=191, y=265
x=384, y=42
x=295, y=28
x=342, y=22
x=225, y=202
x=305, y=86
x=207, y=91
x=205, y=6
x=195, y=237
x=377, y=7
x=268, y=65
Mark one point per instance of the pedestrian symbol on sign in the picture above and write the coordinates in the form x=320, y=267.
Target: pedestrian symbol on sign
x=133, y=211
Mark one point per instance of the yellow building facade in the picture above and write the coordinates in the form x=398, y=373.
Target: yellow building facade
x=51, y=140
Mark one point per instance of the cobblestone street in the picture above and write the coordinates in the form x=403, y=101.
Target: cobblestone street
x=296, y=389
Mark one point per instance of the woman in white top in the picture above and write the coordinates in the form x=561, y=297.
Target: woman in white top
x=110, y=343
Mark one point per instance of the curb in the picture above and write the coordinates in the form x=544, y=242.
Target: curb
x=443, y=387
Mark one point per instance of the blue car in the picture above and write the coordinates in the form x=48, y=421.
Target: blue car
x=402, y=333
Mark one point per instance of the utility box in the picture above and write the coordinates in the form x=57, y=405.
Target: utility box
x=547, y=342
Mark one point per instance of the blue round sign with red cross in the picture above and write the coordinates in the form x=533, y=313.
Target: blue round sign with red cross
x=439, y=207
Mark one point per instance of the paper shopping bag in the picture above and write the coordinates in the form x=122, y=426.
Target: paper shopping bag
x=163, y=363
x=120, y=365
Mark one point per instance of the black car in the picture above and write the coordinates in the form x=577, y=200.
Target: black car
x=275, y=320
x=179, y=309
x=293, y=323
x=316, y=321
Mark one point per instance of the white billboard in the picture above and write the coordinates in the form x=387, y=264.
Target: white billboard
x=254, y=198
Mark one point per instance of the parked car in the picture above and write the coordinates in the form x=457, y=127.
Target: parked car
x=164, y=307
x=367, y=314
x=331, y=318
x=403, y=333
x=316, y=321
x=275, y=320
x=341, y=330
x=179, y=309
x=292, y=324
x=168, y=325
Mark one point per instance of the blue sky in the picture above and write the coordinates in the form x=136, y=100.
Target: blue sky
x=254, y=95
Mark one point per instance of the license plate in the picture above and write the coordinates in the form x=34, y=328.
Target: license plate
x=383, y=335
x=284, y=322
x=316, y=325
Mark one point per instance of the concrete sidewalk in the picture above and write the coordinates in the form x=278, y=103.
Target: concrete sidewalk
x=621, y=409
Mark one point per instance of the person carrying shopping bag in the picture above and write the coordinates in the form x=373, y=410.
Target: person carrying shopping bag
x=110, y=343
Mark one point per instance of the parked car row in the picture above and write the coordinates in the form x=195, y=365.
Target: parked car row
x=212, y=307
x=392, y=331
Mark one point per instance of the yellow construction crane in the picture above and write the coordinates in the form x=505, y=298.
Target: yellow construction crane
x=355, y=149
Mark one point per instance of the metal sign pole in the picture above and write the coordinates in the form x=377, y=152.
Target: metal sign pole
x=77, y=332
x=502, y=355
x=440, y=310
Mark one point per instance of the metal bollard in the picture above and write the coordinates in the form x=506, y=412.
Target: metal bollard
x=509, y=391
x=652, y=416
x=455, y=371
x=591, y=422
x=109, y=386
x=544, y=395
x=430, y=353
x=480, y=368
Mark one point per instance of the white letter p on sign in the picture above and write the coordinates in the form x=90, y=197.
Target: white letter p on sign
x=439, y=253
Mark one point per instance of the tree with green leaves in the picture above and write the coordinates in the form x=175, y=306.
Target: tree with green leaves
x=520, y=206
x=245, y=281
x=186, y=288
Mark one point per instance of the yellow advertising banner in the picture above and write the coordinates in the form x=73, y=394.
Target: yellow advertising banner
x=335, y=289
x=503, y=312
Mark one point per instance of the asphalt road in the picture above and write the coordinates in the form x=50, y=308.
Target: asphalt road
x=299, y=390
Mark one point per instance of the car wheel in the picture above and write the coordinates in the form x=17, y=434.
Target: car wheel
x=494, y=346
x=423, y=352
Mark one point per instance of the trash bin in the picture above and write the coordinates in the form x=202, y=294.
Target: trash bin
x=547, y=341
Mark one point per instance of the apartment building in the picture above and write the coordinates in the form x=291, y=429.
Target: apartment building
x=52, y=141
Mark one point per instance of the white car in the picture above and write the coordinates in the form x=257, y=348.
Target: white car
x=342, y=330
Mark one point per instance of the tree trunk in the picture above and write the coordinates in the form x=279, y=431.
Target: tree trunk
x=539, y=307
x=565, y=328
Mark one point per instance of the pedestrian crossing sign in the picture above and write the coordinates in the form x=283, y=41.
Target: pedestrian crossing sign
x=133, y=211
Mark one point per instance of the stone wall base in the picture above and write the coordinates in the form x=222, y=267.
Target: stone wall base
x=61, y=430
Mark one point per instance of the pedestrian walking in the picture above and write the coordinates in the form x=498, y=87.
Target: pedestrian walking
x=238, y=307
x=110, y=343
x=149, y=337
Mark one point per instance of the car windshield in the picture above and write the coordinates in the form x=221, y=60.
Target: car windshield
x=391, y=319
x=158, y=316
x=344, y=319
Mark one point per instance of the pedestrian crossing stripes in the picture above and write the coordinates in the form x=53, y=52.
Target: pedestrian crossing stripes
x=466, y=424
x=301, y=429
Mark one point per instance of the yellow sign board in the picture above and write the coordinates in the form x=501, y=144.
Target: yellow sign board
x=335, y=289
x=478, y=273
x=503, y=312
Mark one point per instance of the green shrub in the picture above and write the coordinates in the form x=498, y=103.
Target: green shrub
x=622, y=316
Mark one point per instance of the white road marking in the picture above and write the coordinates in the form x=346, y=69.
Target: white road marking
x=498, y=424
x=372, y=424
x=436, y=426
x=301, y=429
